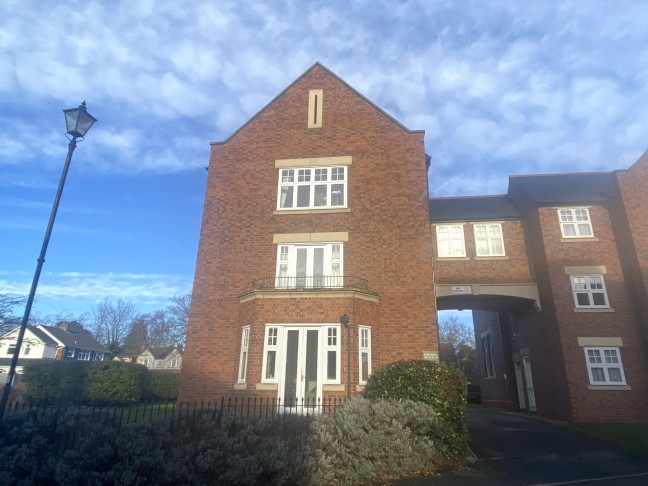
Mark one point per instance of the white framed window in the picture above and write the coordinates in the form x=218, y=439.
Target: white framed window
x=145, y=362
x=332, y=355
x=364, y=354
x=604, y=366
x=489, y=240
x=245, y=342
x=306, y=266
x=11, y=350
x=270, y=370
x=487, y=354
x=450, y=241
x=99, y=357
x=69, y=353
x=27, y=349
x=158, y=363
x=312, y=188
x=174, y=363
x=575, y=223
x=589, y=291
x=84, y=355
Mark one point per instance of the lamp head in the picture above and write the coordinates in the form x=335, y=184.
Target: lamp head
x=78, y=121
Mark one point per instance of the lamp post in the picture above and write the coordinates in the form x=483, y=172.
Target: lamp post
x=78, y=121
x=344, y=320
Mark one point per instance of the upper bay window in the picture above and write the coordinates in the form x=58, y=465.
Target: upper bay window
x=312, y=188
x=575, y=223
x=304, y=266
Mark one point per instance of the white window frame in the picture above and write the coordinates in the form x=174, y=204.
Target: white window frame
x=603, y=358
x=490, y=239
x=243, y=359
x=578, y=219
x=588, y=281
x=487, y=355
x=11, y=349
x=272, y=343
x=278, y=346
x=331, y=343
x=145, y=362
x=70, y=353
x=99, y=356
x=312, y=179
x=174, y=363
x=364, y=348
x=455, y=234
x=333, y=265
x=84, y=355
x=158, y=363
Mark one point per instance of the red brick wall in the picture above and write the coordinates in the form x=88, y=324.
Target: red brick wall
x=388, y=227
x=514, y=268
x=595, y=404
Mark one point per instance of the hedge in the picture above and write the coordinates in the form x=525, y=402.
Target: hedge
x=440, y=386
x=163, y=385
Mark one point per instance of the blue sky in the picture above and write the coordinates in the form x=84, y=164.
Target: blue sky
x=500, y=87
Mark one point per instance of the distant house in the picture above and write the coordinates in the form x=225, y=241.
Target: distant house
x=66, y=341
x=164, y=358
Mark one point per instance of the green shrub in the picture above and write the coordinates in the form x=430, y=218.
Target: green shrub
x=163, y=385
x=74, y=446
x=366, y=440
x=56, y=381
x=441, y=386
x=115, y=382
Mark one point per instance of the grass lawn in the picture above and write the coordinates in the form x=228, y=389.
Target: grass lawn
x=633, y=435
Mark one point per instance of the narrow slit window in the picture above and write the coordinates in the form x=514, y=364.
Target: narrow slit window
x=315, y=98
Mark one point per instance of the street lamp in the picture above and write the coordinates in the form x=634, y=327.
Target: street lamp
x=78, y=121
x=344, y=320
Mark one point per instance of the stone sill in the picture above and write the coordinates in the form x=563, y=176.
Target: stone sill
x=593, y=309
x=609, y=387
x=240, y=386
x=578, y=240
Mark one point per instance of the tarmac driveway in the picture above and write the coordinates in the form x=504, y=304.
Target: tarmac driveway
x=518, y=449
x=531, y=451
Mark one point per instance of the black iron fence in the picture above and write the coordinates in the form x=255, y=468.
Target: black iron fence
x=179, y=411
x=69, y=426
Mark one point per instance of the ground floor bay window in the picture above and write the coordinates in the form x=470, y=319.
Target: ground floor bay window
x=301, y=360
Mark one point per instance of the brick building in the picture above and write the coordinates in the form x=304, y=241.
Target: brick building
x=315, y=208
x=555, y=272
x=318, y=207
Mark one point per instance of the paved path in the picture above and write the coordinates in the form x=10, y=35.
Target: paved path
x=515, y=449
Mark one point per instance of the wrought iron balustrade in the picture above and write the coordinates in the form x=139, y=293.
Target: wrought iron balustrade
x=310, y=282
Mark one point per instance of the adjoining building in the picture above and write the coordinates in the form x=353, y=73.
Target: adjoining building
x=317, y=208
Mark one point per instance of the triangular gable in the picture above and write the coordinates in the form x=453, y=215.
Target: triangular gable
x=31, y=334
x=332, y=74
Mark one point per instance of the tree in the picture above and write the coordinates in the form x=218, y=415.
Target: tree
x=457, y=347
x=160, y=330
x=178, y=314
x=111, y=323
x=7, y=319
x=135, y=341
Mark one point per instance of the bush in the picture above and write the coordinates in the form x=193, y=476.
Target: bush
x=56, y=381
x=163, y=385
x=367, y=440
x=441, y=386
x=115, y=382
x=73, y=447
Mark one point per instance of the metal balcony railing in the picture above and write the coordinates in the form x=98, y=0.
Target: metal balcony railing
x=310, y=282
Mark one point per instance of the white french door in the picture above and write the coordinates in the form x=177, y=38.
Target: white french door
x=300, y=385
x=309, y=266
x=529, y=383
x=520, y=384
